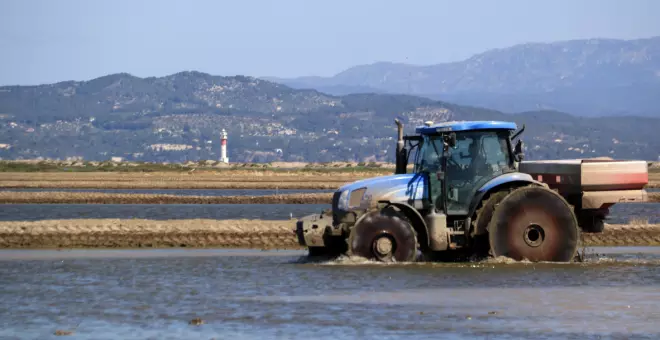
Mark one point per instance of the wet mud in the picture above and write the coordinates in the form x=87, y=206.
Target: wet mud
x=205, y=233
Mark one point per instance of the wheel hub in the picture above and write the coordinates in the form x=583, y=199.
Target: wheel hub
x=534, y=235
x=383, y=245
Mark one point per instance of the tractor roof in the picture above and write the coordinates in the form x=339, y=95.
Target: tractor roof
x=465, y=126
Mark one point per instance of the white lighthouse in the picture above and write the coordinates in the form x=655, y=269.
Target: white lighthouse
x=223, y=147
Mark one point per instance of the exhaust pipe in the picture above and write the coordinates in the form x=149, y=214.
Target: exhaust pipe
x=401, y=158
x=399, y=130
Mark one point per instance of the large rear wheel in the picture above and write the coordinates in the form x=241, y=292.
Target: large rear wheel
x=536, y=224
x=479, y=233
x=385, y=235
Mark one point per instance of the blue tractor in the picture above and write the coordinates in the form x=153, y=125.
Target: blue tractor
x=465, y=193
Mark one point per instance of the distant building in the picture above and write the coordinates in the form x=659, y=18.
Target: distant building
x=223, y=147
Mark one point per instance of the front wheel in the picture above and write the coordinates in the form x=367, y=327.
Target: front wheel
x=536, y=224
x=385, y=235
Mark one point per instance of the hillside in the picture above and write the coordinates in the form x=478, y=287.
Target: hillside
x=178, y=118
x=592, y=77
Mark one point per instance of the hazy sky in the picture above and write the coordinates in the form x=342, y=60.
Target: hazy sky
x=51, y=41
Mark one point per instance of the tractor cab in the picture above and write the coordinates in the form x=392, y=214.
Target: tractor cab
x=459, y=158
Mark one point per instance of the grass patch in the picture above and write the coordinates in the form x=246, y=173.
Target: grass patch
x=638, y=221
x=10, y=166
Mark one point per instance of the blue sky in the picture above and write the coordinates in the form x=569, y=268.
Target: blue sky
x=51, y=41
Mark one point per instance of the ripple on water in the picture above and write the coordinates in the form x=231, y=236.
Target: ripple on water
x=278, y=297
x=620, y=213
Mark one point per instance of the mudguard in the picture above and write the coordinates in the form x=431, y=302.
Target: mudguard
x=499, y=182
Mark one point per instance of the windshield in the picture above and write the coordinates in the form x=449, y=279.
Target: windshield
x=483, y=152
x=429, y=155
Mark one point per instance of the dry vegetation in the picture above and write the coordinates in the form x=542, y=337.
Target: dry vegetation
x=654, y=179
x=9, y=197
x=259, y=234
x=231, y=179
x=282, y=176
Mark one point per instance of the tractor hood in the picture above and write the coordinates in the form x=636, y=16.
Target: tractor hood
x=405, y=188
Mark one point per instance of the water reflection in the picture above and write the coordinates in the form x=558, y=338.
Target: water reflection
x=619, y=213
x=252, y=296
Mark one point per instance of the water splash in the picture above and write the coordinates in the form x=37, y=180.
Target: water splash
x=593, y=259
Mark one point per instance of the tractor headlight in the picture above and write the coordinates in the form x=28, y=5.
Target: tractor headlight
x=342, y=203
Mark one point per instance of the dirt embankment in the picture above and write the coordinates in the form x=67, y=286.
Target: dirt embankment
x=116, y=233
x=654, y=178
x=167, y=180
x=625, y=235
x=229, y=179
x=324, y=185
x=259, y=234
x=56, y=197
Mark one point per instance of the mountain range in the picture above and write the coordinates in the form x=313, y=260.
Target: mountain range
x=577, y=99
x=591, y=77
x=179, y=117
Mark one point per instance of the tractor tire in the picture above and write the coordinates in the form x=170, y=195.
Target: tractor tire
x=385, y=235
x=535, y=224
x=483, y=216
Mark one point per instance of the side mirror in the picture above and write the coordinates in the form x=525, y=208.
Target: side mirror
x=518, y=151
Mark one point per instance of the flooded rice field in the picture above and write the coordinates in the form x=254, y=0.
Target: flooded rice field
x=181, y=192
x=619, y=213
x=244, y=294
x=35, y=212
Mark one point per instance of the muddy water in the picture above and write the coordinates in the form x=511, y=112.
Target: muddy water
x=249, y=295
x=619, y=213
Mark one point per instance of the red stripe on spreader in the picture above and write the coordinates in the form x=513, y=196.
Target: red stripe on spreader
x=623, y=178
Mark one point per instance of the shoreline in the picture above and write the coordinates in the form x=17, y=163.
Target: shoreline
x=231, y=234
